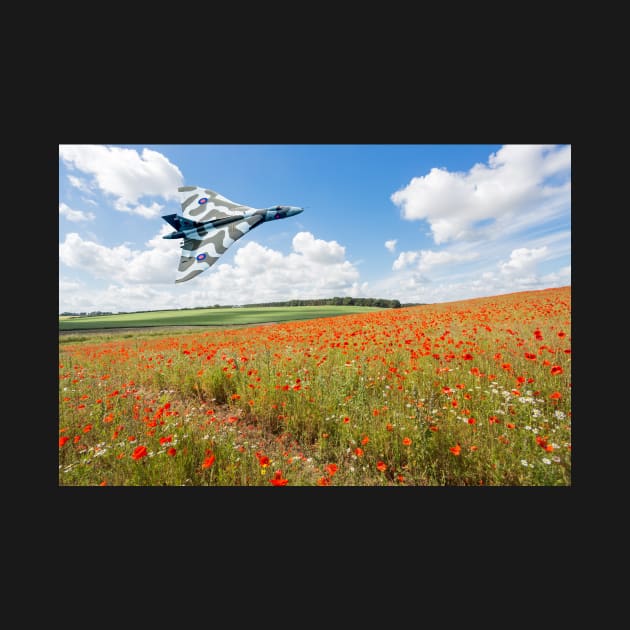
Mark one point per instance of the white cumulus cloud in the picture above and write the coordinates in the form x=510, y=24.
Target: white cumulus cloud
x=523, y=261
x=427, y=259
x=75, y=215
x=316, y=250
x=391, y=245
x=125, y=174
x=521, y=185
x=136, y=277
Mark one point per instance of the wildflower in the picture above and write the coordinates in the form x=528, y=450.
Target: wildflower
x=382, y=466
x=208, y=461
x=263, y=460
x=556, y=370
x=406, y=441
x=555, y=396
x=332, y=469
x=524, y=462
x=322, y=481
x=171, y=452
x=277, y=479
x=546, y=461
x=166, y=440
x=139, y=452
x=63, y=440
x=510, y=425
x=103, y=483
x=358, y=452
x=456, y=450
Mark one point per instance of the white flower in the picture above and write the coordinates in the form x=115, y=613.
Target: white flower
x=556, y=458
x=524, y=462
x=546, y=461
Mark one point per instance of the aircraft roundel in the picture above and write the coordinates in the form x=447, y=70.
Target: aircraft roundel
x=202, y=201
x=201, y=257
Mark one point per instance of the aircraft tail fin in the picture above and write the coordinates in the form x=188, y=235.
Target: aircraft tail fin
x=179, y=223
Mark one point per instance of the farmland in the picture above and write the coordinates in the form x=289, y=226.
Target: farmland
x=208, y=317
x=475, y=392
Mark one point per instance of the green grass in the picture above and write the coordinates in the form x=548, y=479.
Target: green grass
x=210, y=317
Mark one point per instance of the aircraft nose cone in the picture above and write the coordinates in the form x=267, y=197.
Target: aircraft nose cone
x=294, y=210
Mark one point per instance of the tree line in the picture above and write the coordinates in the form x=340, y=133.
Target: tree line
x=334, y=301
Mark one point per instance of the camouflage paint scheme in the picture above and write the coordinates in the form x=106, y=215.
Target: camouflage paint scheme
x=210, y=224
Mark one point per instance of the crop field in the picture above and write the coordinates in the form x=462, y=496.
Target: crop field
x=209, y=316
x=475, y=392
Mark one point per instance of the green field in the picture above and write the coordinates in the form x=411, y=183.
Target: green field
x=210, y=317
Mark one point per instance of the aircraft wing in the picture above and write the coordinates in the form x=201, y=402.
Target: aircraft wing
x=202, y=204
x=200, y=254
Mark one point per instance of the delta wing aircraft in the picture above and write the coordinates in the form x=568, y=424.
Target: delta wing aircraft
x=210, y=224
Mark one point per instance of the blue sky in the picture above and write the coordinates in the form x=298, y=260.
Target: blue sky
x=417, y=223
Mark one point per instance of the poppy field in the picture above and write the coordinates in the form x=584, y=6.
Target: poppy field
x=475, y=392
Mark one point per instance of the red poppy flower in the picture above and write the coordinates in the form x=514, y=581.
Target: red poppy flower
x=139, y=452
x=171, y=452
x=358, y=452
x=166, y=440
x=208, y=461
x=456, y=450
x=382, y=466
x=556, y=370
x=406, y=441
x=556, y=396
x=63, y=440
x=277, y=479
